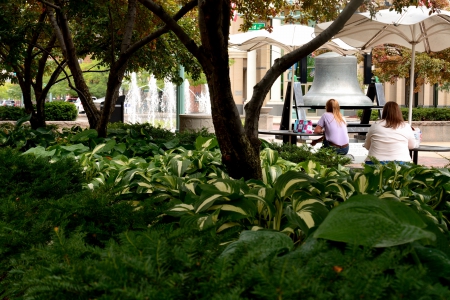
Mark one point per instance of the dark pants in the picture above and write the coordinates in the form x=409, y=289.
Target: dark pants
x=383, y=162
x=341, y=151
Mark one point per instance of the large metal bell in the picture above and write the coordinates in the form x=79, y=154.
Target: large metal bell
x=336, y=77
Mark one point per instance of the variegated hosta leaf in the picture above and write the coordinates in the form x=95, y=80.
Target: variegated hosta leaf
x=287, y=183
x=181, y=209
x=205, y=201
x=361, y=183
x=200, y=221
x=223, y=186
x=191, y=184
x=311, y=212
x=263, y=198
x=227, y=225
x=269, y=156
x=311, y=167
x=254, y=183
x=179, y=167
x=104, y=147
x=229, y=208
x=341, y=189
x=168, y=181
x=271, y=173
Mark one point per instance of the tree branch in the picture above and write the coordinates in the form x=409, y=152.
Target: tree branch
x=49, y=4
x=131, y=17
x=181, y=13
x=189, y=43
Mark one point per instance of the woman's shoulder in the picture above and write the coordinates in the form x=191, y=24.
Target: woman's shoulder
x=379, y=123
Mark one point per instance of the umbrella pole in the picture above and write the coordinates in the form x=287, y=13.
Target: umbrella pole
x=291, y=100
x=411, y=83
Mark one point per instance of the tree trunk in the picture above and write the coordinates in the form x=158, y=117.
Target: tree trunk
x=112, y=93
x=240, y=153
x=64, y=36
x=117, y=71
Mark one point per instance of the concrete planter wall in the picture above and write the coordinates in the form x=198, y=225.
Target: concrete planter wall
x=434, y=131
x=196, y=122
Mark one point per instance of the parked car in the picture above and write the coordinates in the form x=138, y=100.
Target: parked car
x=8, y=103
x=80, y=105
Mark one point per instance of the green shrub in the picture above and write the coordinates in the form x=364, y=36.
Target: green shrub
x=24, y=175
x=60, y=111
x=54, y=111
x=297, y=154
x=418, y=114
x=12, y=113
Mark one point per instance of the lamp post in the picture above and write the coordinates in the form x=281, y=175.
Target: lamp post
x=180, y=98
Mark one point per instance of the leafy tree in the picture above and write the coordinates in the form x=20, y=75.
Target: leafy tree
x=240, y=144
x=126, y=38
x=394, y=61
x=27, y=45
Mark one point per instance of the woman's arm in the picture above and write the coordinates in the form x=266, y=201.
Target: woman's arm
x=367, y=143
x=318, y=129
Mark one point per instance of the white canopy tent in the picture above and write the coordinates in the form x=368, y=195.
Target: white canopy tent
x=415, y=27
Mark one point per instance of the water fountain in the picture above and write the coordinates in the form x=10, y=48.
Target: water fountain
x=149, y=104
x=197, y=108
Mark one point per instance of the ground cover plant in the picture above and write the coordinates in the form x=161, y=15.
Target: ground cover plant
x=86, y=217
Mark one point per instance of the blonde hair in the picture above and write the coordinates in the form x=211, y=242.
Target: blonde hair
x=333, y=107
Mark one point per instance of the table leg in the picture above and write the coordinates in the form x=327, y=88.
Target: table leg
x=415, y=156
x=293, y=139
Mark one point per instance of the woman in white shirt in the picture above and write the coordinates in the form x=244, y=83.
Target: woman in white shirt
x=390, y=138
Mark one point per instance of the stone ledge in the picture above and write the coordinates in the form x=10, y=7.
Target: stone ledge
x=60, y=124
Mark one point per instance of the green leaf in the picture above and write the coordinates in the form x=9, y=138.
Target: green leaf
x=205, y=143
x=40, y=151
x=85, y=135
x=23, y=120
x=435, y=260
x=259, y=244
x=172, y=143
x=104, y=147
x=370, y=221
x=76, y=148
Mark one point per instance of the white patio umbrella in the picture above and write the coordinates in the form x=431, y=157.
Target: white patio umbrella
x=415, y=27
x=288, y=37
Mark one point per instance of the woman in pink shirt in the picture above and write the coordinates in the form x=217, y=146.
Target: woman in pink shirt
x=332, y=124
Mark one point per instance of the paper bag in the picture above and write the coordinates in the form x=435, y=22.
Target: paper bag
x=307, y=126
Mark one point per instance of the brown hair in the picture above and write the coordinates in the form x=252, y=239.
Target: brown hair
x=332, y=106
x=392, y=115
